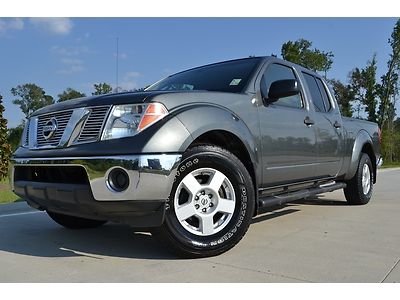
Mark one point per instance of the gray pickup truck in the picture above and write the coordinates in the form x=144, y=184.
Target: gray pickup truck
x=197, y=155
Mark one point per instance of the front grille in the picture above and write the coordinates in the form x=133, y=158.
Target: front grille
x=94, y=124
x=62, y=119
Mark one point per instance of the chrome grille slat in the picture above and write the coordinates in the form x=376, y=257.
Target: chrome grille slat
x=94, y=124
x=62, y=118
x=67, y=122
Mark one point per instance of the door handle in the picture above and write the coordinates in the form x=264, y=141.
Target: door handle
x=308, y=121
x=337, y=125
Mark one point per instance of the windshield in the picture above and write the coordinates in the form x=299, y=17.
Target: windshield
x=229, y=77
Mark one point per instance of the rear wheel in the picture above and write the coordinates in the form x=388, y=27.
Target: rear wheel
x=210, y=205
x=72, y=222
x=359, y=188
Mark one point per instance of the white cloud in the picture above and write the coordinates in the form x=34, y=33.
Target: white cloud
x=11, y=24
x=129, y=81
x=132, y=74
x=122, y=55
x=70, y=51
x=16, y=23
x=59, y=26
x=71, y=61
x=71, y=66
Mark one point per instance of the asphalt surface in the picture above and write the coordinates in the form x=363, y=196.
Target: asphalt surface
x=318, y=240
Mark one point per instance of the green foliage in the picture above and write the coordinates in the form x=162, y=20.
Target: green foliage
x=69, y=94
x=300, y=52
x=388, y=92
x=365, y=88
x=30, y=98
x=5, y=149
x=14, y=136
x=344, y=95
x=102, y=88
x=389, y=82
x=390, y=146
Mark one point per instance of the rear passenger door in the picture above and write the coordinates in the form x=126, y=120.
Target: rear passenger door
x=328, y=127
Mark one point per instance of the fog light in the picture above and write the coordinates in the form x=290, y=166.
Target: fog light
x=118, y=180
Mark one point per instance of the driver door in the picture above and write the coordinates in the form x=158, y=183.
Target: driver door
x=289, y=150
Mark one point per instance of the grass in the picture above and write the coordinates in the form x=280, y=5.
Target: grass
x=391, y=165
x=6, y=195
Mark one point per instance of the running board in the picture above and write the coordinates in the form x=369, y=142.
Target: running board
x=281, y=199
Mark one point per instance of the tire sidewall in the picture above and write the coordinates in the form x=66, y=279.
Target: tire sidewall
x=237, y=225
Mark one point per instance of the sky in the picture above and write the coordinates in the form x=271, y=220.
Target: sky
x=57, y=53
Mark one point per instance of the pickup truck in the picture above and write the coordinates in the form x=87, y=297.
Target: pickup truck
x=194, y=157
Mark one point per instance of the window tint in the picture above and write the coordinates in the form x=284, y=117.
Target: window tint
x=277, y=72
x=229, y=76
x=325, y=95
x=316, y=96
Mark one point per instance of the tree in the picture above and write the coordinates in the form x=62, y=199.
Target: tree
x=300, y=52
x=102, y=88
x=389, y=81
x=5, y=149
x=69, y=94
x=14, y=136
x=344, y=95
x=365, y=88
x=31, y=98
x=388, y=92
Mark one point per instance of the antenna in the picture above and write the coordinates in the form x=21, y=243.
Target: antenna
x=116, y=68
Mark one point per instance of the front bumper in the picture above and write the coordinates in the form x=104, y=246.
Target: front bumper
x=85, y=192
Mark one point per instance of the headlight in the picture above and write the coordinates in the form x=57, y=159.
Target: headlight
x=128, y=120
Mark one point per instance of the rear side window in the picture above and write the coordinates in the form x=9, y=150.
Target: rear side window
x=325, y=95
x=277, y=72
x=316, y=96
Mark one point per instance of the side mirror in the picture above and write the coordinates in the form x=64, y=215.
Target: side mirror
x=281, y=89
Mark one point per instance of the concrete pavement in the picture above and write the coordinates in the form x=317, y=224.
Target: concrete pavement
x=318, y=240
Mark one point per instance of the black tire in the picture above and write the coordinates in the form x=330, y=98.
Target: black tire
x=354, y=192
x=72, y=222
x=186, y=244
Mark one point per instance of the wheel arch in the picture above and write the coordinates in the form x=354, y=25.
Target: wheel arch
x=215, y=125
x=362, y=144
x=228, y=141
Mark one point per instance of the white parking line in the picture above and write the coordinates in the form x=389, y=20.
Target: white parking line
x=21, y=214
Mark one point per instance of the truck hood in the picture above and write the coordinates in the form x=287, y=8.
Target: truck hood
x=109, y=99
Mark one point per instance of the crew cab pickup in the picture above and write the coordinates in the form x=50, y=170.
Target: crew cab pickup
x=194, y=157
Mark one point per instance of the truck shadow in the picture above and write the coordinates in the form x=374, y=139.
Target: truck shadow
x=36, y=235
x=39, y=236
x=320, y=200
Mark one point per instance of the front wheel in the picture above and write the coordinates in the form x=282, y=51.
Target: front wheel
x=359, y=188
x=210, y=206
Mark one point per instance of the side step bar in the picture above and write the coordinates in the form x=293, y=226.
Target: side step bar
x=281, y=199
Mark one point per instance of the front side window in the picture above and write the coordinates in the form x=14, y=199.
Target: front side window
x=277, y=72
x=231, y=77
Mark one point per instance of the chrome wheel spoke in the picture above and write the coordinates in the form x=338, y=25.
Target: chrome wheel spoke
x=216, y=181
x=185, y=211
x=207, y=224
x=226, y=205
x=191, y=184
